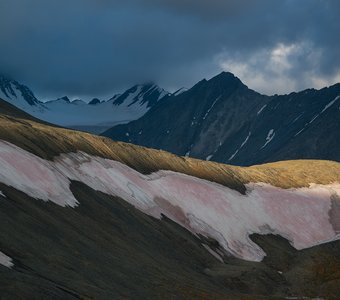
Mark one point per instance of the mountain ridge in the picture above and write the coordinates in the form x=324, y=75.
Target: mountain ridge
x=223, y=120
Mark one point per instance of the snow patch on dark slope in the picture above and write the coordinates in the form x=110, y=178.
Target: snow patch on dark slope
x=5, y=260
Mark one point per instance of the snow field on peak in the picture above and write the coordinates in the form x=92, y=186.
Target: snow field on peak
x=18, y=100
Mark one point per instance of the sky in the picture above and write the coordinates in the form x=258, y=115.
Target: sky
x=95, y=48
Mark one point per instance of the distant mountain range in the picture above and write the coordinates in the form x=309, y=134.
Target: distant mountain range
x=95, y=116
x=221, y=119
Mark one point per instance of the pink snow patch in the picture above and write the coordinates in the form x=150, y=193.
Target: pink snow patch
x=305, y=216
x=34, y=176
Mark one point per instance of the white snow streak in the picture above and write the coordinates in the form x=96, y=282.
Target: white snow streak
x=297, y=118
x=243, y=143
x=269, y=137
x=313, y=119
x=261, y=109
x=211, y=107
x=2, y=194
x=246, y=140
x=5, y=260
x=233, y=155
x=213, y=253
x=188, y=152
x=296, y=134
x=330, y=104
x=317, y=115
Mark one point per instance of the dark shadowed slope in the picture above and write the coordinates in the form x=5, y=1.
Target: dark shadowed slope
x=106, y=249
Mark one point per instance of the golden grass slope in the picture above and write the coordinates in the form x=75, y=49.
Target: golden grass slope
x=48, y=141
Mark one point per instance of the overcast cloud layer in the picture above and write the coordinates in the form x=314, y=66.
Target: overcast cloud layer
x=86, y=48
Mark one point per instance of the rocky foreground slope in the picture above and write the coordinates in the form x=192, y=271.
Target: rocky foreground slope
x=83, y=217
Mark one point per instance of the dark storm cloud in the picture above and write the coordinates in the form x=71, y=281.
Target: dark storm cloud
x=96, y=47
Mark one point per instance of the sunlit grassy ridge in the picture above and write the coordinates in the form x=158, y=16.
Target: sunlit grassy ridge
x=48, y=141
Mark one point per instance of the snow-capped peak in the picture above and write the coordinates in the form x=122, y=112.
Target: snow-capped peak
x=141, y=94
x=16, y=93
x=94, y=101
x=64, y=99
x=95, y=116
x=179, y=91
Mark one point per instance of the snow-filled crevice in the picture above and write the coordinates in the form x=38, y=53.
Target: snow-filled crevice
x=269, y=138
x=211, y=107
x=317, y=115
x=242, y=145
x=261, y=109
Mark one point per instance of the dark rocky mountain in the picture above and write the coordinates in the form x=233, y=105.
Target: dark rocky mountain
x=83, y=217
x=222, y=120
x=94, y=101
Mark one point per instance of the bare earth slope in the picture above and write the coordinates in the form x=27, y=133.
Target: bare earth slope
x=83, y=217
